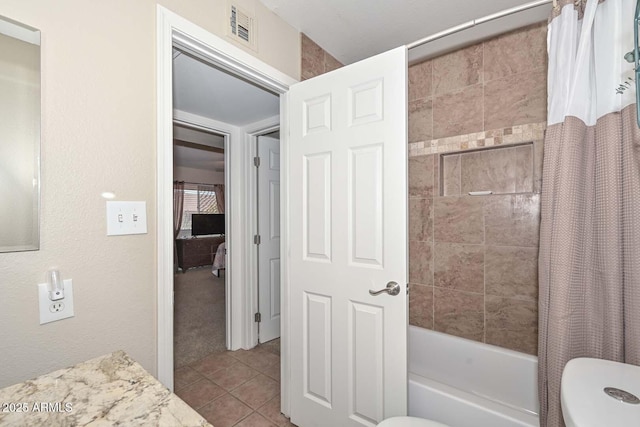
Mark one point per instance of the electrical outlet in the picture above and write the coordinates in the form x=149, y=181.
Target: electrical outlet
x=50, y=311
x=56, y=307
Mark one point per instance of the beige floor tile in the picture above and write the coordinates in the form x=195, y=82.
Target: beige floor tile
x=271, y=410
x=272, y=371
x=225, y=411
x=213, y=362
x=257, y=391
x=185, y=376
x=256, y=358
x=200, y=393
x=233, y=376
x=255, y=420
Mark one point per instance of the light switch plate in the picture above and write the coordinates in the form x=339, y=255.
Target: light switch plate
x=50, y=311
x=126, y=218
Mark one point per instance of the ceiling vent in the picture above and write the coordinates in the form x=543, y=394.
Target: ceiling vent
x=242, y=26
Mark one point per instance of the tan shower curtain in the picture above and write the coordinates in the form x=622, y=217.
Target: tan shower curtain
x=589, y=264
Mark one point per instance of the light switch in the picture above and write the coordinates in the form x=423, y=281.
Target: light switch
x=126, y=218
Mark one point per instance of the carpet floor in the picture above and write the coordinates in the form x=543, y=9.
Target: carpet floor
x=199, y=315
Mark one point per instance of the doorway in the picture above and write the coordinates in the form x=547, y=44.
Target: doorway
x=199, y=265
x=206, y=97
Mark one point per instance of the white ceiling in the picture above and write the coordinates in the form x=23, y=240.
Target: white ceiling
x=352, y=30
x=201, y=89
x=206, y=91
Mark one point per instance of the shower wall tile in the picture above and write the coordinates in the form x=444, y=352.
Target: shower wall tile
x=510, y=271
x=421, y=219
x=457, y=70
x=331, y=63
x=420, y=80
x=512, y=323
x=420, y=263
x=515, y=99
x=458, y=112
x=436, y=175
x=479, y=253
x=516, y=52
x=493, y=170
x=459, y=267
x=420, y=120
x=312, y=57
x=538, y=162
x=421, y=305
x=421, y=176
x=459, y=313
x=451, y=175
x=458, y=219
x=511, y=220
x=524, y=169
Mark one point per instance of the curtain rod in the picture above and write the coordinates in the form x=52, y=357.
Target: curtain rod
x=475, y=22
x=195, y=183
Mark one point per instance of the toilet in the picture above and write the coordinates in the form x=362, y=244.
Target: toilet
x=409, y=422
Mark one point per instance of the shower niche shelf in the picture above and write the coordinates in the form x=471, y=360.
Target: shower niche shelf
x=508, y=169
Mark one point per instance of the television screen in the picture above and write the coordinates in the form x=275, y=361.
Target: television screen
x=204, y=224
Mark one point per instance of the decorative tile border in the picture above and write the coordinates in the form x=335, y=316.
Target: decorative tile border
x=510, y=135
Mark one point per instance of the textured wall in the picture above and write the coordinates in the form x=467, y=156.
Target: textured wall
x=98, y=134
x=473, y=260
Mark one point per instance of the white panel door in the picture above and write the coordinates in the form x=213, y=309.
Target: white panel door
x=269, y=231
x=348, y=225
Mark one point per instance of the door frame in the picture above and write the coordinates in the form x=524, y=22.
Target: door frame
x=172, y=29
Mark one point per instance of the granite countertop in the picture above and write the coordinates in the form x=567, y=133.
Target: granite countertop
x=105, y=391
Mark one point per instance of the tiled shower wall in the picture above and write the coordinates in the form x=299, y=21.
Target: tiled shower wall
x=315, y=60
x=473, y=259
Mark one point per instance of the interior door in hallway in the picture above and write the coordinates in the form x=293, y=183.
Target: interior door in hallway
x=269, y=232
x=347, y=180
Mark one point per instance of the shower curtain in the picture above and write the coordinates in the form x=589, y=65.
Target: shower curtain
x=589, y=264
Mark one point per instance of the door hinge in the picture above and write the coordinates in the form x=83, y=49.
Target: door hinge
x=256, y=239
x=257, y=318
x=256, y=161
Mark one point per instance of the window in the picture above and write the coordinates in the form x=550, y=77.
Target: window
x=197, y=199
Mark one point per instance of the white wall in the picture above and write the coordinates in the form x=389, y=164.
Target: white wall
x=98, y=134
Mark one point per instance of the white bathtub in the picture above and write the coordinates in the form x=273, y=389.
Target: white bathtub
x=464, y=383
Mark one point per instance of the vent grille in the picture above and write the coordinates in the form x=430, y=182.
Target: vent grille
x=242, y=27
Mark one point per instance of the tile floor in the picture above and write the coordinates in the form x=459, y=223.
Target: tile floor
x=235, y=388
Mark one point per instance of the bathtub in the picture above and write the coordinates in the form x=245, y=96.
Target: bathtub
x=464, y=383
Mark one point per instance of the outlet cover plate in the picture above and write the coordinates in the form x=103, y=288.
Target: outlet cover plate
x=46, y=314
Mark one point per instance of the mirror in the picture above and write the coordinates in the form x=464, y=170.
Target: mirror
x=19, y=137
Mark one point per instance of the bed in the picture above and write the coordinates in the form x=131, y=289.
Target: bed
x=219, y=259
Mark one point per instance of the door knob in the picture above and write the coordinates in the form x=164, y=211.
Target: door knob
x=392, y=289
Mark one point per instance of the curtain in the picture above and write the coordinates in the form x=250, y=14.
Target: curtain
x=589, y=263
x=178, y=202
x=219, y=190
